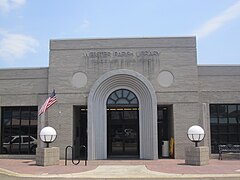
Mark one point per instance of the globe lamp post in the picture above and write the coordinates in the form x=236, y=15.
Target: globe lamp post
x=48, y=135
x=196, y=134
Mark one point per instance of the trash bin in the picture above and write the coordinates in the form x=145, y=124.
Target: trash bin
x=165, y=148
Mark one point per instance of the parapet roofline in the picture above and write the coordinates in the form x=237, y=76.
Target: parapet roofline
x=123, y=43
x=216, y=70
x=123, y=38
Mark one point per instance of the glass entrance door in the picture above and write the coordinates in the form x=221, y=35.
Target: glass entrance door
x=123, y=132
x=122, y=124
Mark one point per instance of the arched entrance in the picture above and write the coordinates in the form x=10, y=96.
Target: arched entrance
x=122, y=124
x=97, y=114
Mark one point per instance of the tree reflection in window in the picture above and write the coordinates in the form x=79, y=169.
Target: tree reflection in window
x=122, y=97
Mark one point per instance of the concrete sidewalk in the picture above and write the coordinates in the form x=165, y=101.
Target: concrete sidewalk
x=120, y=169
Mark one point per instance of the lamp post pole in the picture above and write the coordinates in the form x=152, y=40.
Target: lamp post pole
x=196, y=143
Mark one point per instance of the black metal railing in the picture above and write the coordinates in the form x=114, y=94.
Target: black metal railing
x=76, y=161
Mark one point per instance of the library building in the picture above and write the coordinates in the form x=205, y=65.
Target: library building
x=127, y=98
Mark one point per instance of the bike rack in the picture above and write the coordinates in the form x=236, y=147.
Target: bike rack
x=73, y=153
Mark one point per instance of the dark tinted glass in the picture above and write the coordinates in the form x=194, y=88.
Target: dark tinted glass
x=19, y=130
x=224, y=123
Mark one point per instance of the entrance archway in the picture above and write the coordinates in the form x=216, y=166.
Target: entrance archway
x=97, y=115
x=122, y=125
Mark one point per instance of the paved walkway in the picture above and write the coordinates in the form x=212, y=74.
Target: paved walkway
x=121, y=169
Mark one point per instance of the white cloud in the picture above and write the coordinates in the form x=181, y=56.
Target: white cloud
x=7, y=5
x=218, y=21
x=15, y=46
x=85, y=24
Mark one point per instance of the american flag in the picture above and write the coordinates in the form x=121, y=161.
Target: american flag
x=52, y=99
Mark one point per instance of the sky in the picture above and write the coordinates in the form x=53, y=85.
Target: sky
x=27, y=26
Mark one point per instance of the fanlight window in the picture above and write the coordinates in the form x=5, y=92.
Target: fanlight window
x=122, y=97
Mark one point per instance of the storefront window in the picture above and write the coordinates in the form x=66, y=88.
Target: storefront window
x=225, y=125
x=19, y=130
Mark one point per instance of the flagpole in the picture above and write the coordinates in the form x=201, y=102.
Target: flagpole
x=46, y=118
x=52, y=99
x=42, y=125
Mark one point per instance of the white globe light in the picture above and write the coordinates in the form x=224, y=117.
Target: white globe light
x=48, y=135
x=196, y=133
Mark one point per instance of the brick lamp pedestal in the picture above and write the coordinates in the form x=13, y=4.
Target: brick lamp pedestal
x=197, y=156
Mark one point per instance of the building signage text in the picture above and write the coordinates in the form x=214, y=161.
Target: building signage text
x=112, y=54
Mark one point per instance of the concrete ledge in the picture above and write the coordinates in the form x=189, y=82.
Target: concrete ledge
x=16, y=156
x=47, y=156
